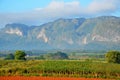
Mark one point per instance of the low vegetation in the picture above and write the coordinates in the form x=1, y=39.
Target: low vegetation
x=57, y=65
x=59, y=68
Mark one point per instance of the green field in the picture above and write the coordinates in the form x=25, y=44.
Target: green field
x=60, y=68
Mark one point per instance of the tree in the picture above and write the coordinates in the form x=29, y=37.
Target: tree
x=20, y=55
x=113, y=56
x=60, y=55
x=56, y=56
x=9, y=57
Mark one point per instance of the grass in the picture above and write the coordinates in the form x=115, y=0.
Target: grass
x=60, y=68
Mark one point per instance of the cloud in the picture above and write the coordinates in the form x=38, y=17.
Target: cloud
x=61, y=9
x=102, y=6
x=75, y=9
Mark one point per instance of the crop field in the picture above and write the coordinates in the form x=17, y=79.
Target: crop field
x=60, y=68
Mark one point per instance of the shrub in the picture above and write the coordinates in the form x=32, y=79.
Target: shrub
x=9, y=57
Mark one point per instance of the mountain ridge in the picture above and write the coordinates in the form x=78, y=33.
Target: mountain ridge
x=100, y=33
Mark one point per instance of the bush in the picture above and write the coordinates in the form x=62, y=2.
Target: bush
x=113, y=56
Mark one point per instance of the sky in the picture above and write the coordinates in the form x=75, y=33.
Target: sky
x=37, y=12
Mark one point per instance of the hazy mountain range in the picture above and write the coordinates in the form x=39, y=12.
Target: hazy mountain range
x=100, y=33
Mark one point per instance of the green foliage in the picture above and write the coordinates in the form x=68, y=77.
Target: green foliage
x=9, y=57
x=57, y=55
x=41, y=57
x=113, y=56
x=59, y=68
x=60, y=55
x=20, y=55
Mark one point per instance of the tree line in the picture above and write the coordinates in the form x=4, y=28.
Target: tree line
x=21, y=55
x=110, y=56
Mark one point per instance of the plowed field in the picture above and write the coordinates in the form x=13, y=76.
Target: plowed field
x=44, y=78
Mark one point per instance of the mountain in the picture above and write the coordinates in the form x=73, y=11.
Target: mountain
x=100, y=33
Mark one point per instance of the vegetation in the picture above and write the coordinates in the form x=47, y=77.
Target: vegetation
x=60, y=55
x=9, y=57
x=48, y=55
x=113, y=56
x=20, y=55
x=59, y=68
x=53, y=56
x=89, y=65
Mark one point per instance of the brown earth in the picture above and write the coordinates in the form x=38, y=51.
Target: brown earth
x=44, y=78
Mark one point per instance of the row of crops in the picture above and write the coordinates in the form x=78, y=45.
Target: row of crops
x=60, y=69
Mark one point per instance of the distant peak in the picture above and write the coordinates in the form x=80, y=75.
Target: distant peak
x=63, y=19
x=107, y=17
x=16, y=25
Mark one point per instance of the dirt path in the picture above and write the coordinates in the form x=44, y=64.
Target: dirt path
x=43, y=78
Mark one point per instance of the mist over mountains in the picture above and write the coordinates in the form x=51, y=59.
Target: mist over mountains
x=100, y=33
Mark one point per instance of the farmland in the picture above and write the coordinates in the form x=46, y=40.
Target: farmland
x=60, y=68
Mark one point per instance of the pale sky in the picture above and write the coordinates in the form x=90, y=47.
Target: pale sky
x=36, y=12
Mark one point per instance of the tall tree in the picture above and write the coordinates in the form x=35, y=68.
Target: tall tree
x=113, y=56
x=20, y=55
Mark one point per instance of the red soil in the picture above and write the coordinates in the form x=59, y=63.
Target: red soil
x=43, y=78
